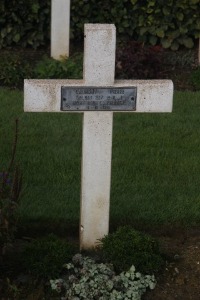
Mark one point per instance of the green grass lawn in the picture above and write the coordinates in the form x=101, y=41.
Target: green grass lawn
x=155, y=164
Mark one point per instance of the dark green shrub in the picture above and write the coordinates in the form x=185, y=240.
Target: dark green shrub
x=167, y=22
x=10, y=188
x=66, y=68
x=13, y=70
x=45, y=257
x=24, y=23
x=195, y=78
x=136, y=61
x=127, y=247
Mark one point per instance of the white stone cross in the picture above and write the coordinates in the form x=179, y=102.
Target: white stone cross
x=153, y=96
x=60, y=28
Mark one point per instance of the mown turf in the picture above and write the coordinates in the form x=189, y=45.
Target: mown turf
x=155, y=164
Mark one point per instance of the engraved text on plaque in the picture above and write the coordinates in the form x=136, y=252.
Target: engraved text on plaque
x=97, y=98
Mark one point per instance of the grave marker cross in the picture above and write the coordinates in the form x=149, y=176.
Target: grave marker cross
x=60, y=28
x=99, y=70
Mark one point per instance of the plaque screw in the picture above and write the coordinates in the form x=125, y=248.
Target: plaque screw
x=64, y=99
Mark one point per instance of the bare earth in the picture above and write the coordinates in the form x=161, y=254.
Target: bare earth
x=181, y=278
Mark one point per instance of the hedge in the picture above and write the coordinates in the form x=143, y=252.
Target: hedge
x=170, y=23
x=24, y=23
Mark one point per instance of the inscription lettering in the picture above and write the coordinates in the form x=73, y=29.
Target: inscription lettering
x=115, y=91
x=86, y=91
x=89, y=98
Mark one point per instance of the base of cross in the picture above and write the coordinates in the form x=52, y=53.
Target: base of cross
x=150, y=96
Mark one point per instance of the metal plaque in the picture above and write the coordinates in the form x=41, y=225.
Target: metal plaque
x=97, y=98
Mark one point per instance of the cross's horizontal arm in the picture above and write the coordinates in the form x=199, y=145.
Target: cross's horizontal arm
x=45, y=95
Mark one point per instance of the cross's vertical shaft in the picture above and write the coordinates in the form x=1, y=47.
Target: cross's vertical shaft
x=99, y=70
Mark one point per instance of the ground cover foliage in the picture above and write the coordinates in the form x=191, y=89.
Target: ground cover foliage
x=90, y=280
x=14, y=68
x=133, y=61
x=169, y=23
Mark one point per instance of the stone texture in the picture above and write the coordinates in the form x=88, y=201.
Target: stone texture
x=99, y=54
x=99, y=70
x=95, y=177
x=45, y=95
x=60, y=28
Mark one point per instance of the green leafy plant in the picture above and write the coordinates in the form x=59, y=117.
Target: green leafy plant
x=13, y=70
x=87, y=279
x=195, y=78
x=127, y=247
x=24, y=22
x=134, y=60
x=44, y=257
x=10, y=188
x=65, y=68
x=167, y=22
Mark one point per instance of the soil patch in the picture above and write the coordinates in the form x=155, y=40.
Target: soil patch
x=180, y=279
